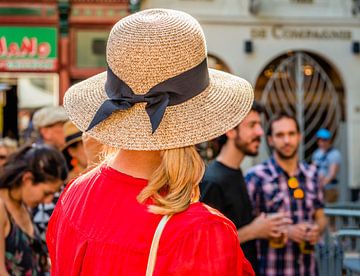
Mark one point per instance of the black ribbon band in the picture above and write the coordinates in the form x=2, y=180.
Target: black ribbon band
x=73, y=136
x=173, y=91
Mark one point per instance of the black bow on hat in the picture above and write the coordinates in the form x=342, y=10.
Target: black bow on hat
x=173, y=91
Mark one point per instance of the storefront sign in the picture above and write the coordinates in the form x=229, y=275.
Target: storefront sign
x=28, y=49
x=282, y=32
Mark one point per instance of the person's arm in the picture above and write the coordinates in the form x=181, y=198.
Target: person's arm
x=334, y=159
x=319, y=216
x=3, y=219
x=246, y=233
x=297, y=232
x=263, y=227
x=333, y=170
x=314, y=233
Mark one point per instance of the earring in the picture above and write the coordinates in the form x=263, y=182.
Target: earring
x=74, y=162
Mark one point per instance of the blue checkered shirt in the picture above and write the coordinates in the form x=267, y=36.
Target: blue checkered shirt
x=269, y=193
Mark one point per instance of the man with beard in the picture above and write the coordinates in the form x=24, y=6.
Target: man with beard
x=223, y=186
x=284, y=184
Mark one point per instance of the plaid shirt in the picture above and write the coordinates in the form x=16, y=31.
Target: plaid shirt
x=269, y=193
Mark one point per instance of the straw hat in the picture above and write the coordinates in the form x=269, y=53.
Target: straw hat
x=72, y=135
x=147, y=50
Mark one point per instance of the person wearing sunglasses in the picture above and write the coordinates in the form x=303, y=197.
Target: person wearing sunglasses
x=285, y=183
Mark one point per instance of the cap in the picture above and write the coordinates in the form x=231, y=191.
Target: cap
x=323, y=133
x=72, y=134
x=49, y=115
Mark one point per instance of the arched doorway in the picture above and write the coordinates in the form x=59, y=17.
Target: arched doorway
x=308, y=87
x=217, y=63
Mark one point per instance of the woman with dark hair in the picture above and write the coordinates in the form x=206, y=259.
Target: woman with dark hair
x=30, y=176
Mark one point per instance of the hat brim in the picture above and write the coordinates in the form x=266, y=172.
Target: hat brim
x=323, y=138
x=220, y=107
x=68, y=144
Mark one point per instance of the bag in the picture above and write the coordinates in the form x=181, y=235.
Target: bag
x=155, y=244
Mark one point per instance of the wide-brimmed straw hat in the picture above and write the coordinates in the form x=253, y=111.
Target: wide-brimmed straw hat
x=158, y=92
x=72, y=135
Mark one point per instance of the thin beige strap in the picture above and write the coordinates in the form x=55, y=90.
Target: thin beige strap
x=155, y=245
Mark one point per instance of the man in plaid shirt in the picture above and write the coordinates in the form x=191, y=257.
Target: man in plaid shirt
x=283, y=183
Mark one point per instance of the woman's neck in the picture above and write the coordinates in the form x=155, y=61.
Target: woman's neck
x=139, y=164
x=12, y=197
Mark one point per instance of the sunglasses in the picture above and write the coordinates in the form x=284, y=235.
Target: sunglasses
x=293, y=183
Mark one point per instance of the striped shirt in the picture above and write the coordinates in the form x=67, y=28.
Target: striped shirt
x=269, y=193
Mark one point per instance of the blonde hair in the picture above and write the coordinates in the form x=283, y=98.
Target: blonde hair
x=175, y=183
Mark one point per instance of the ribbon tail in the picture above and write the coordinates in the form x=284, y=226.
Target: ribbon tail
x=105, y=110
x=156, y=112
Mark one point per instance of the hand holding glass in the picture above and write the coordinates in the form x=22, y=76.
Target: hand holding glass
x=279, y=239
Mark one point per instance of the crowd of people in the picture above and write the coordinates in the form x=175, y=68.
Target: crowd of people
x=123, y=185
x=31, y=180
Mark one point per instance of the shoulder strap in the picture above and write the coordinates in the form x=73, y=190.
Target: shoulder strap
x=155, y=245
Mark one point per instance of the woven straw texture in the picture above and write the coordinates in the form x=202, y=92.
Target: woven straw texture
x=143, y=50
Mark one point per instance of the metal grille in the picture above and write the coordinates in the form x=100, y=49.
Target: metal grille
x=301, y=87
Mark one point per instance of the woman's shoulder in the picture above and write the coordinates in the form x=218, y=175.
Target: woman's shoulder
x=201, y=216
x=201, y=213
x=3, y=212
x=200, y=220
x=81, y=182
x=201, y=241
x=4, y=218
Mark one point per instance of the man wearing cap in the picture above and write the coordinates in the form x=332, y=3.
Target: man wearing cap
x=283, y=183
x=328, y=160
x=49, y=122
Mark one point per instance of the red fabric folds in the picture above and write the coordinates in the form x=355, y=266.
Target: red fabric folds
x=98, y=228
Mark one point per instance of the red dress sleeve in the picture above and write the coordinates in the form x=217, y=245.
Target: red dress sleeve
x=211, y=249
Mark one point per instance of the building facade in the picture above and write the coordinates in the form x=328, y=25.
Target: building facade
x=301, y=56
x=45, y=46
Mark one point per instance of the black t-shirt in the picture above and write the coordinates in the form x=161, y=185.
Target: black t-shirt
x=224, y=189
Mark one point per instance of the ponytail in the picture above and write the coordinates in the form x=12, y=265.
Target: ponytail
x=175, y=184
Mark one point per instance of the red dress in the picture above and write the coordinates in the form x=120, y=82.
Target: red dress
x=98, y=228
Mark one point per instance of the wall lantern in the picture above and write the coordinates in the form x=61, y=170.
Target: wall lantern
x=355, y=47
x=248, y=46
